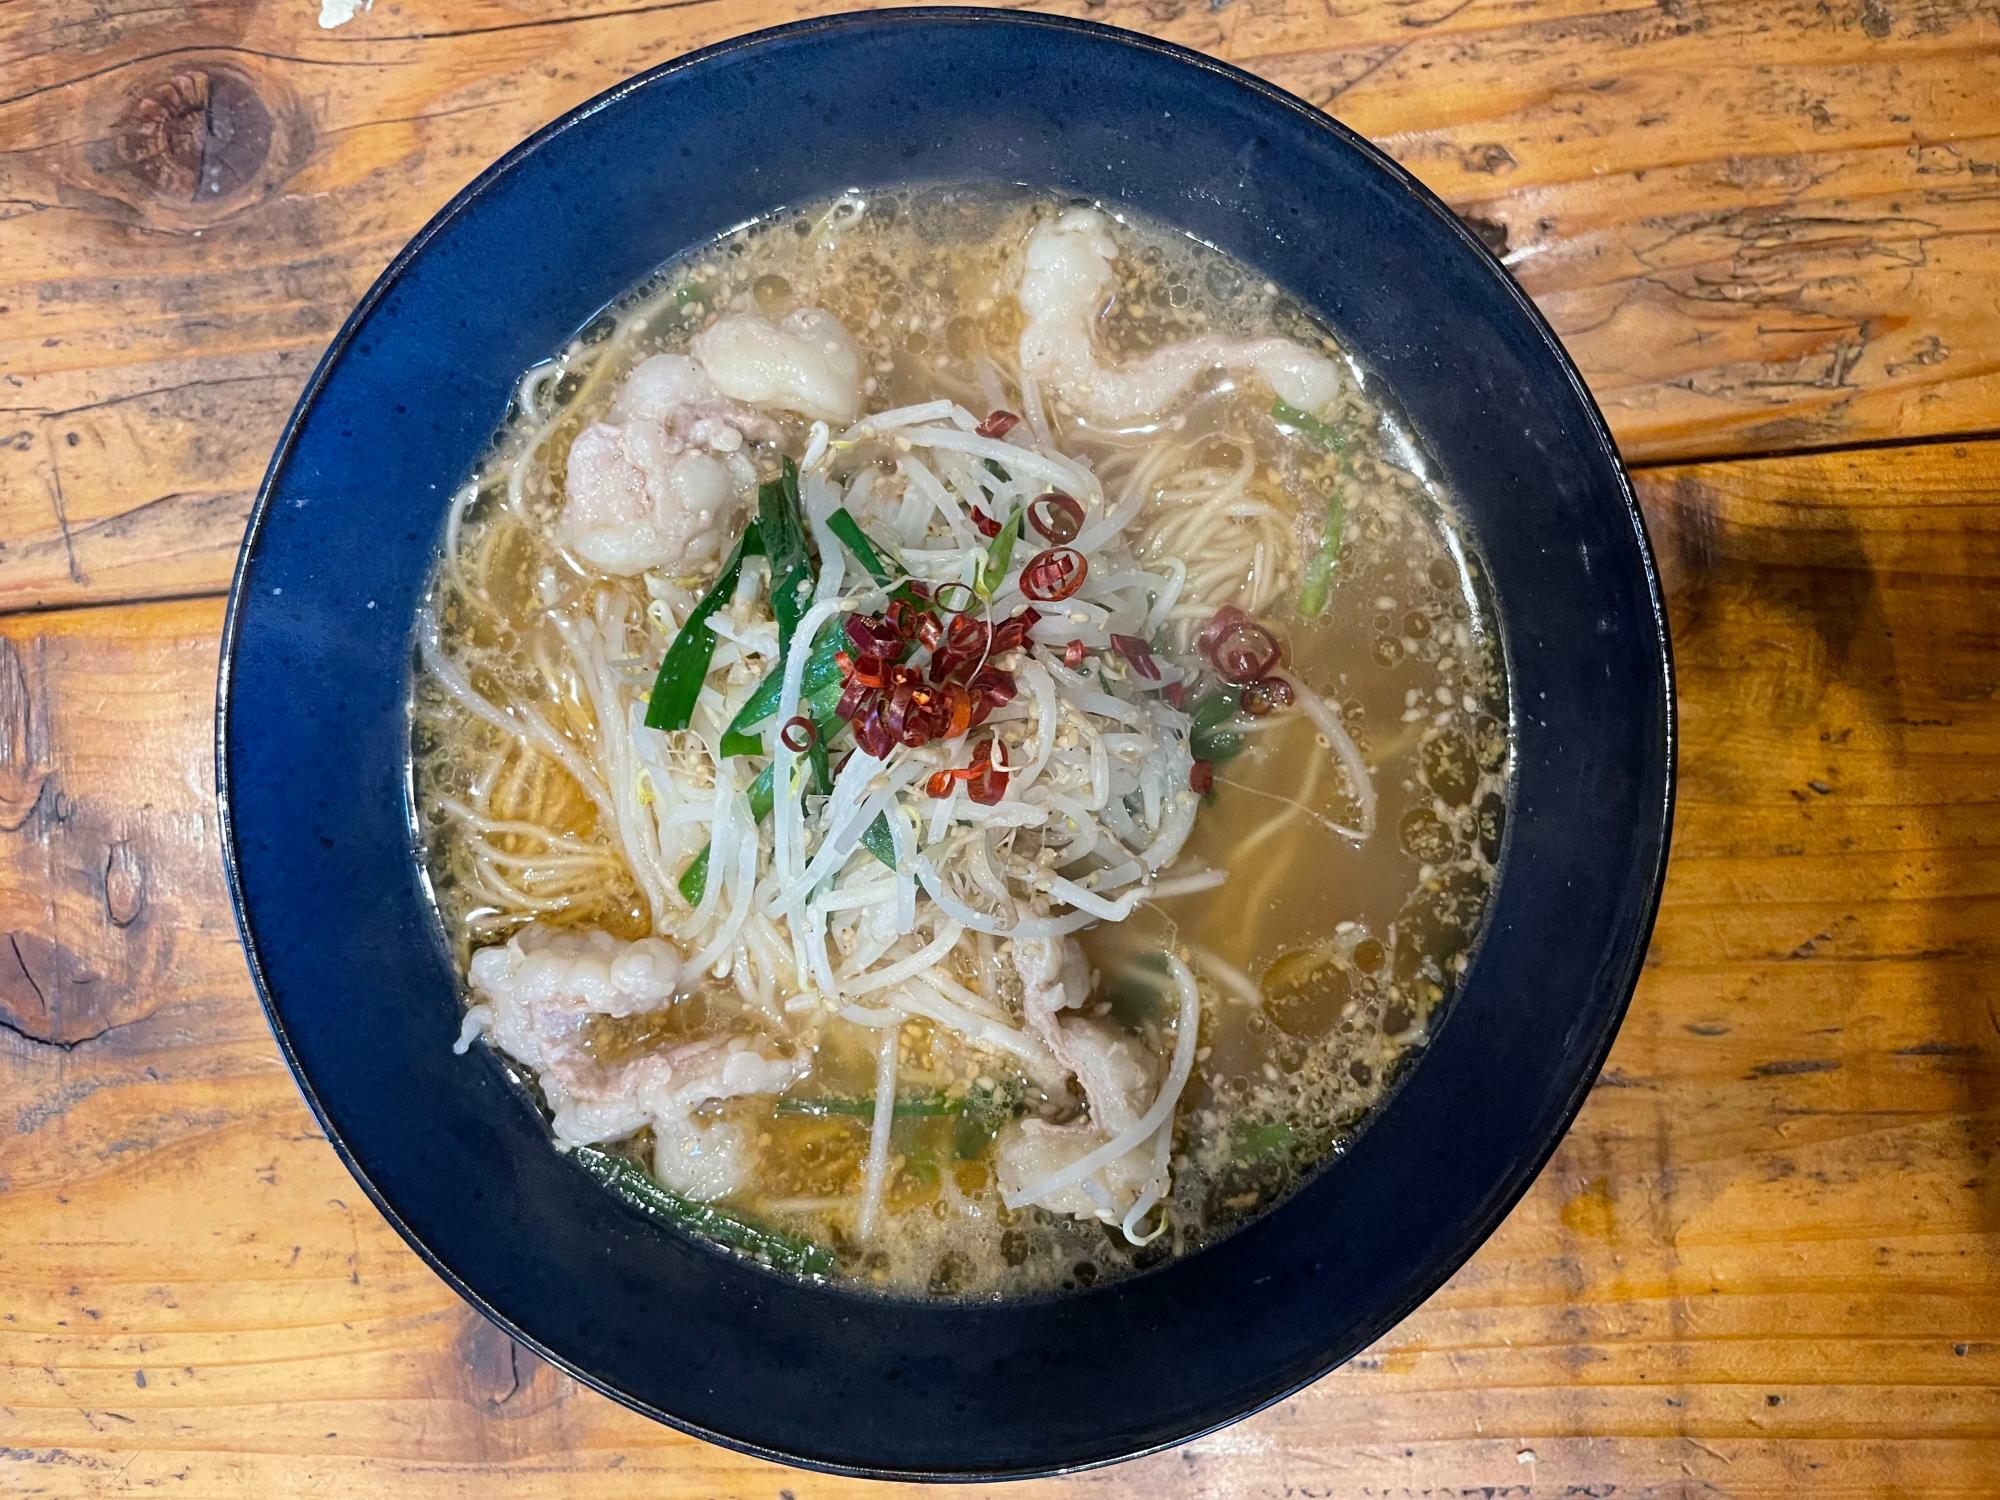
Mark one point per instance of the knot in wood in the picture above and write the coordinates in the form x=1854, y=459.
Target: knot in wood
x=200, y=135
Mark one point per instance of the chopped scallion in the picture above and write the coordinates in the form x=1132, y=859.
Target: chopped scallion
x=776, y=1247
x=999, y=554
x=782, y=522
x=843, y=525
x=685, y=665
x=1262, y=1140
x=1211, y=739
x=880, y=841
x=822, y=673
x=1322, y=433
x=1316, y=582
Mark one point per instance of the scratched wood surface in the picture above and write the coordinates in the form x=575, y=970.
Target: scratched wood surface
x=1767, y=1259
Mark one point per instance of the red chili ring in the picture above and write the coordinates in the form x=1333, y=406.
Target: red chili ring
x=798, y=734
x=872, y=636
x=1267, y=693
x=1054, y=574
x=942, y=597
x=987, y=788
x=1057, y=516
x=998, y=424
x=1218, y=622
x=1241, y=650
x=959, y=701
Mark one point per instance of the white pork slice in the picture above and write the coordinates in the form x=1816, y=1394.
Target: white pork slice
x=806, y=362
x=535, y=996
x=665, y=480
x=1114, y=1075
x=1065, y=284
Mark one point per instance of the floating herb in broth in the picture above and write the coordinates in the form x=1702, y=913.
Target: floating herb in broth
x=1069, y=857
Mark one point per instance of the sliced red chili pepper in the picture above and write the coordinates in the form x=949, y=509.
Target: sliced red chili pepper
x=1012, y=633
x=1175, y=693
x=851, y=698
x=984, y=524
x=993, y=683
x=991, y=688
x=998, y=424
x=1139, y=654
x=869, y=671
x=917, y=714
x=941, y=782
x=1201, y=778
x=960, y=701
x=1073, y=655
x=869, y=734
x=1218, y=622
x=1239, y=648
x=966, y=633
x=987, y=786
x=1261, y=697
x=1057, y=516
x=1054, y=574
x=798, y=734
x=896, y=711
x=873, y=636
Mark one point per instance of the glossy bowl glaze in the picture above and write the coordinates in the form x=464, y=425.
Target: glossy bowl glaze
x=312, y=744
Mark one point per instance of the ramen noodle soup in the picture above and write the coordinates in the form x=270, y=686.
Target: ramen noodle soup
x=957, y=745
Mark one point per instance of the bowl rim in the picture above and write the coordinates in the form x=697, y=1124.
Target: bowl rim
x=1445, y=1261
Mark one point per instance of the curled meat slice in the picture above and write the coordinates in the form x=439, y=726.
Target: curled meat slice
x=711, y=1159
x=1030, y=1151
x=1064, y=286
x=663, y=481
x=805, y=363
x=1114, y=1075
x=535, y=995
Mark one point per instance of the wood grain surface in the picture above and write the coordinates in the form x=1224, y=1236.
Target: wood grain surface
x=1759, y=224
x=1767, y=1259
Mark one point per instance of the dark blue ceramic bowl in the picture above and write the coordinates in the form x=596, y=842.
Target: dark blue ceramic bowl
x=345, y=949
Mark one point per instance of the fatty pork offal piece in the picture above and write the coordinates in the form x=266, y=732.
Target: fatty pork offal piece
x=536, y=995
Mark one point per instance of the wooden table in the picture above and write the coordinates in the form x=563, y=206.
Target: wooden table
x=1766, y=1260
